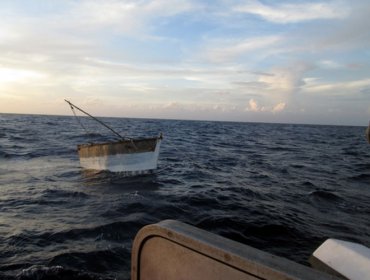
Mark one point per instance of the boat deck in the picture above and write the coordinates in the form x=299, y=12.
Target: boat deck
x=173, y=250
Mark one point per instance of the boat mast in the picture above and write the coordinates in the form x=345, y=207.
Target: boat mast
x=99, y=121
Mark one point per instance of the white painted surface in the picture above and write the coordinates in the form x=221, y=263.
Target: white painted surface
x=350, y=259
x=123, y=162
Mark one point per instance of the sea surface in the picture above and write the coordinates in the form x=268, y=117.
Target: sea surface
x=282, y=188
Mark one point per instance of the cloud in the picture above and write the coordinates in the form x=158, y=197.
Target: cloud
x=347, y=33
x=9, y=75
x=172, y=105
x=279, y=107
x=127, y=17
x=221, y=50
x=329, y=64
x=216, y=59
x=297, y=12
x=254, y=107
x=190, y=108
x=286, y=80
x=344, y=88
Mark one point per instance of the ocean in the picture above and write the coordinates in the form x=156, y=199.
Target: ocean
x=281, y=188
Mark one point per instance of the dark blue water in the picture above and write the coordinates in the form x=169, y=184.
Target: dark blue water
x=277, y=187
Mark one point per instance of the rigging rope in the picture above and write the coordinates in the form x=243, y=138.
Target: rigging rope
x=78, y=120
x=99, y=121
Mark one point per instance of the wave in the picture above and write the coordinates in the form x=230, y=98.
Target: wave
x=42, y=272
x=59, y=193
x=363, y=177
x=275, y=187
x=101, y=262
x=117, y=231
x=5, y=155
x=324, y=195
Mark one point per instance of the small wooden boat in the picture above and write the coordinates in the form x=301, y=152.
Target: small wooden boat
x=127, y=156
x=368, y=133
x=134, y=157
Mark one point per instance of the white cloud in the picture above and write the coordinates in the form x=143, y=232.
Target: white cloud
x=279, y=107
x=221, y=50
x=253, y=106
x=172, y=105
x=329, y=64
x=18, y=83
x=223, y=61
x=9, y=75
x=8, y=33
x=125, y=16
x=297, y=12
x=346, y=88
x=350, y=33
x=286, y=80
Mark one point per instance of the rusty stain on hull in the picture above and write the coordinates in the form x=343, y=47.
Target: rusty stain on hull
x=119, y=147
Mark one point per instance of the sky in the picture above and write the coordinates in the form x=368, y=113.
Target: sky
x=243, y=60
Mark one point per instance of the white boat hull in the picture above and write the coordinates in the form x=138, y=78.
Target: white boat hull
x=134, y=163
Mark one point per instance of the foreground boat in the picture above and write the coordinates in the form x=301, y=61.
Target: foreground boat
x=172, y=250
x=342, y=258
x=126, y=156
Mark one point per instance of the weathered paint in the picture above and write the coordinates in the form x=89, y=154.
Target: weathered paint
x=139, y=160
x=115, y=148
x=173, y=250
x=349, y=259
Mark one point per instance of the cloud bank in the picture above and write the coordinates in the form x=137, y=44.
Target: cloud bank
x=244, y=60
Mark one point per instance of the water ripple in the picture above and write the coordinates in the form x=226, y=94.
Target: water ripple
x=280, y=188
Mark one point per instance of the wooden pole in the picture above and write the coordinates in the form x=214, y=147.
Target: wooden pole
x=99, y=121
